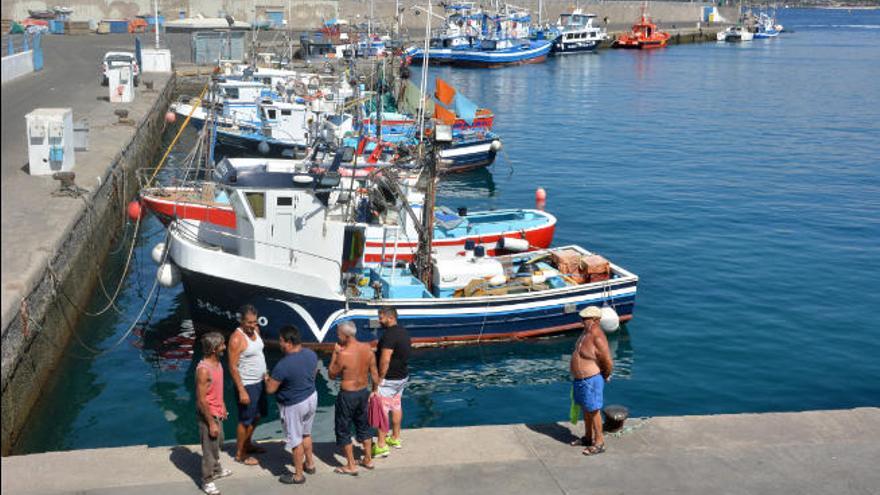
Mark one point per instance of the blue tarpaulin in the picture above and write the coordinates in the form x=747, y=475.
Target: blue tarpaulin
x=464, y=108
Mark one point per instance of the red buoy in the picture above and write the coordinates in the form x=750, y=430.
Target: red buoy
x=135, y=210
x=170, y=117
x=540, y=194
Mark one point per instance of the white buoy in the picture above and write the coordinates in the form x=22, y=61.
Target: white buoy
x=158, y=253
x=168, y=275
x=496, y=145
x=512, y=244
x=609, y=321
x=263, y=147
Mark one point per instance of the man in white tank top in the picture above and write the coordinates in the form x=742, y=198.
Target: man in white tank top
x=247, y=365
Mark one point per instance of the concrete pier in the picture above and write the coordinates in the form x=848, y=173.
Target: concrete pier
x=816, y=452
x=53, y=246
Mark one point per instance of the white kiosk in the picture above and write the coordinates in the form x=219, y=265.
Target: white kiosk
x=121, y=84
x=50, y=141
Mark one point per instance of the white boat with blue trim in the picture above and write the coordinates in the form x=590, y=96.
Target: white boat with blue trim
x=297, y=254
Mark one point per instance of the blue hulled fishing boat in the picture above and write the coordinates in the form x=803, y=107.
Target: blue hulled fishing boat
x=297, y=254
x=502, y=39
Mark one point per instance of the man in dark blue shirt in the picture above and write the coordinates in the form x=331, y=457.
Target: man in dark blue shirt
x=293, y=382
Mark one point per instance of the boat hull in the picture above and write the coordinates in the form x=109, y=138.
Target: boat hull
x=536, y=53
x=560, y=47
x=467, y=156
x=213, y=302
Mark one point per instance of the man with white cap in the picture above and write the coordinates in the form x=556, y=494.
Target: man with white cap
x=591, y=367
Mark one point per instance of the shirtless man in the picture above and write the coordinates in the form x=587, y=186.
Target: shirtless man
x=591, y=367
x=355, y=362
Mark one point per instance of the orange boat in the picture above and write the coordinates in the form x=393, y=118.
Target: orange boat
x=644, y=35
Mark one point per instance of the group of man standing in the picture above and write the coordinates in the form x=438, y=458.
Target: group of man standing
x=367, y=379
x=382, y=375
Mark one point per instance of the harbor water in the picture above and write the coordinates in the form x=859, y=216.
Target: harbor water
x=741, y=182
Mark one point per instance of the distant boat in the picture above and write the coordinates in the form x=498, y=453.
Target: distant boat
x=575, y=33
x=500, y=39
x=644, y=35
x=734, y=34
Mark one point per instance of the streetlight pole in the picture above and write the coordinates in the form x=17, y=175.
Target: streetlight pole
x=156, y=21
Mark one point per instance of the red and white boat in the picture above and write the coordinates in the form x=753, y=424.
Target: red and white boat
x=390, y=234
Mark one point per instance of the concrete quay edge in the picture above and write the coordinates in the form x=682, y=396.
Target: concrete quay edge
x=43, y=231
x=803, y=452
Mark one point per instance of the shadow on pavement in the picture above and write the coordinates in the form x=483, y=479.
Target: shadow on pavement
x=555, y=431
x=188, y=462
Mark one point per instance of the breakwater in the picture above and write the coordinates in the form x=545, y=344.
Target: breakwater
x=43, y=304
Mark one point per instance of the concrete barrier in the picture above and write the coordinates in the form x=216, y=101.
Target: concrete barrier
x=15, y=66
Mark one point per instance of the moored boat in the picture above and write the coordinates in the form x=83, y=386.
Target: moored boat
x=298, y=256
x=210, y=204
x=734, y=34
x=644, y=35
x=575, y=33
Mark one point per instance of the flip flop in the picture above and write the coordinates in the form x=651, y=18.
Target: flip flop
x=310, y=470
x=289, y=479
x=581, y=442
x=367, y=466
x=248, y=461
x=339, y=470
x=594, y=450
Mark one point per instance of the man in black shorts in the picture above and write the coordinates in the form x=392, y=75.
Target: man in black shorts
x=355, y=362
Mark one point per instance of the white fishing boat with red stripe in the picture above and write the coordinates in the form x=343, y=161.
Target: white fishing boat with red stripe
x=389, y=236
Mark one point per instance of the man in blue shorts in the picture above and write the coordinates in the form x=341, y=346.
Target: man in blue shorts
x=591, y=367
x=247, y=367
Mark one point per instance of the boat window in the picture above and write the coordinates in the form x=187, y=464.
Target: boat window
x=257, y=202
x=270, y=114
x=231, y=93
x=284, y=201
x=285, y=112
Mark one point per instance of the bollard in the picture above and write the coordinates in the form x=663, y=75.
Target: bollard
x=615, y=416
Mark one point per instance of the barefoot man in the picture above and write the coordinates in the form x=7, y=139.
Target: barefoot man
x=247, y=366
x=591, y=367
x=355, y=362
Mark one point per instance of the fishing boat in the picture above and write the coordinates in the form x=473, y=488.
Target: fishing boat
x=502, y=40
x=205, y=202
x=298, y=255
x=644, y=35
x=575, y=33
x=766, y=27
x=734, y=34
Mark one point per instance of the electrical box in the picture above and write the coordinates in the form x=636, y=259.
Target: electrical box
x=50, y=141
x=121, y=83
x=156, y=60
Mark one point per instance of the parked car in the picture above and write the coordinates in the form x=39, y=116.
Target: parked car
x=117, y=59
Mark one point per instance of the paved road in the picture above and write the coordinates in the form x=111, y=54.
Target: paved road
x=33, y=222
x=817, y=452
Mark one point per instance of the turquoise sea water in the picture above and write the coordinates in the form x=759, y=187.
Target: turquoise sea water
x=740, y=181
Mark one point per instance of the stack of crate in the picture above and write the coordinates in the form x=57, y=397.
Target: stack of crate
x=5, y=26
x=77, y=27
